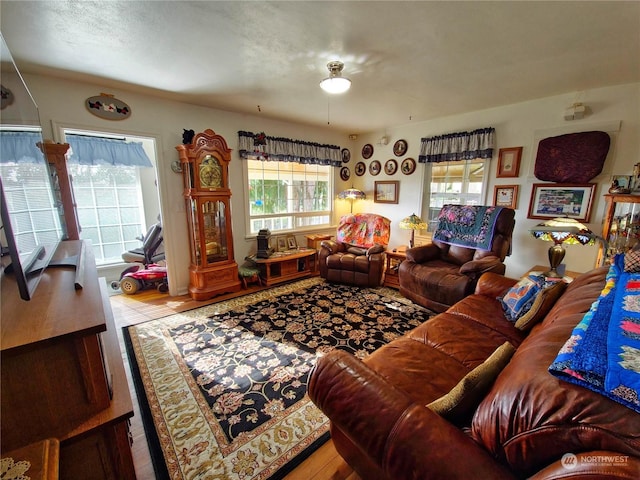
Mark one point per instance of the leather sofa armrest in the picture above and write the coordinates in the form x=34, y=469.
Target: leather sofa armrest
x=494, y=285
x=404, y=439
x=423, y=253
x=482, y=265
x=377, y=248
x=598, y=464
x=332, y=246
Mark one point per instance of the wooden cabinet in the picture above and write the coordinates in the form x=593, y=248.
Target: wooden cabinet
x=287, y=266
x=62, y=373
x=621, y=225
x=205, y=170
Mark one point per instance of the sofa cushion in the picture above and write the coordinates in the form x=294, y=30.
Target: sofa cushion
x=530, y=418
x=468, y=392
x=541, y=306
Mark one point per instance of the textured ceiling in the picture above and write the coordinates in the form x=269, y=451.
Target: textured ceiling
x=408, y=61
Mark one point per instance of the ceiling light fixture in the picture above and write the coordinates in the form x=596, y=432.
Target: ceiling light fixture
x=335, y=82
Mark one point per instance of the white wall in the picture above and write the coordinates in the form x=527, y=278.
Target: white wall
x=613, y=109
x=522, y=124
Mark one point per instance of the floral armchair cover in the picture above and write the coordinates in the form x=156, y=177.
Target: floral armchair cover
x=356, y=257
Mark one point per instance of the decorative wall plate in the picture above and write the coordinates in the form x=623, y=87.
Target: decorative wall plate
x=345, y=173
x=346, y=155
x=408, y=166
x=390, y=166
x=107, y=107
x=360, y=168
x=400, y=148
x=374, y=167
x=6, y=97
x=367, y=151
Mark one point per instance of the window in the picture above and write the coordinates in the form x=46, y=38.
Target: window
x=109, y=206
x=458, y=183
x=288, y=195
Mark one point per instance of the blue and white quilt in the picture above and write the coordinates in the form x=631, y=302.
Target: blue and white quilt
x=603, y=351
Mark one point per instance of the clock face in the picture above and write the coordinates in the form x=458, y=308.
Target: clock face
x=210, y=173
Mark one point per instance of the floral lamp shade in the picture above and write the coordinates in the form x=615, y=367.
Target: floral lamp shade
x=352, y=194
x=413, y=223
x=561, y=231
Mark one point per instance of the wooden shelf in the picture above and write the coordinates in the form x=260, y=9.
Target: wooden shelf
x=285, y=266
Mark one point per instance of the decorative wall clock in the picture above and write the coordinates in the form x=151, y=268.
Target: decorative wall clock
x=408, y=166
x=390, y=166
x=367, y=151
x=360, y=168
x=375, y=167
x=400, y=148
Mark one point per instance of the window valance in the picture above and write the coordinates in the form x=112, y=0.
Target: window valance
x=259, y=146
x=458, y=146
x=88, y=150
x=20, y=147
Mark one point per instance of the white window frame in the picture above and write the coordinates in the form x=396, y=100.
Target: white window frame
x=462, y=198
x=297, y=218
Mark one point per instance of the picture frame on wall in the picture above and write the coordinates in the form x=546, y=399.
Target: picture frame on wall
x=550, y=200
x=509, y=162
x=386, y=191
x=505, y=196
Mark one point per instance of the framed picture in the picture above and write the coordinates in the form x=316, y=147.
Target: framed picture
x=621, y=181
x=550, y=200
x=386, y=192
x=360, y=168
x=345, y=173
x=390, y=166
x=282, y=244
x=505, y=196
x=291, y=242
x=408, y=166
x=375, y=167
x=367, y=151
x=400, y=148
x=346, y=155
x=509, y=162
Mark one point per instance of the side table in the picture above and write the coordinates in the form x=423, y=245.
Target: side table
x=394, y=259
x=42, y=458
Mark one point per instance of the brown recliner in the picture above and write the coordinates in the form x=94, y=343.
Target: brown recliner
x=441, y=273
x=357, y=255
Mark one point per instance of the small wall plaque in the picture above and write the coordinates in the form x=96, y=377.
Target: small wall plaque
x=107, y=107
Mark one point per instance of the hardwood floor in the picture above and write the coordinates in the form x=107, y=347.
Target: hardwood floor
x=323, y=464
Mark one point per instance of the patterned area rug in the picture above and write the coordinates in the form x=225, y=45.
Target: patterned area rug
x=226, y=383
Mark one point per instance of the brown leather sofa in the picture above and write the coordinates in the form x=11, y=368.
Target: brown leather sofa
x=439, y=274
x=523, y=425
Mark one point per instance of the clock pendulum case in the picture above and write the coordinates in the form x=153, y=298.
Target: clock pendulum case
x=205, y=172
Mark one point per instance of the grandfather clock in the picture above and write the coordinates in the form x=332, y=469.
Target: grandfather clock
x=205, y=170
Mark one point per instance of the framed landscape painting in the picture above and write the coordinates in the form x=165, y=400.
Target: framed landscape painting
x=550, y=200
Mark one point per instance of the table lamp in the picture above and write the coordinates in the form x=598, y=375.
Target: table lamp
x=352, y=194
x=562, y=231
x=413, y=223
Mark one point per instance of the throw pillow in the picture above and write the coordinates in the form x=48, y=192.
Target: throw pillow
x=541, y=306
x=518, y=300
x=632, y=261
x=463, y=399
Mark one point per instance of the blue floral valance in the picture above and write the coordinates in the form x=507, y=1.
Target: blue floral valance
x=262, y=147
x=458, y=146
x=88, y=150
x=20, y=147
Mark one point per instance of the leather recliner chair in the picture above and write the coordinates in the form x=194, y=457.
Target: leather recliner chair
x=439, y=274
x=357, y=255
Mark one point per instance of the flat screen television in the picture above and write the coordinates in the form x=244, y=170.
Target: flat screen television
x=31, y=220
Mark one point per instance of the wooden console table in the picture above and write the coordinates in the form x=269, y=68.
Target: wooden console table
x=62, y=373
x=285, y=266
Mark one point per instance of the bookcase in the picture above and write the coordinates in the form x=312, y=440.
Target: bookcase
x=621, y=225
x=62, y=374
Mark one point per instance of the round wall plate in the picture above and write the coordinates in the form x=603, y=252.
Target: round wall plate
x=367, y=151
